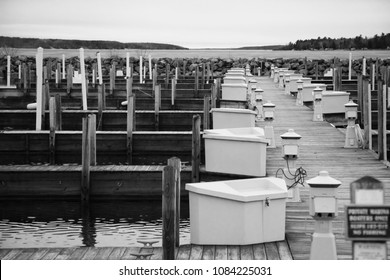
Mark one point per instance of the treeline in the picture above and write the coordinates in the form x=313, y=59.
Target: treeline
x=17, y=42
x=359, y=42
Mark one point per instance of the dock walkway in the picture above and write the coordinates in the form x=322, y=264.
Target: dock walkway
x=321, y=148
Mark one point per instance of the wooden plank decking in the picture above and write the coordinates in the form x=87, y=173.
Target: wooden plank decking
x=266, y=251
x=321, y=148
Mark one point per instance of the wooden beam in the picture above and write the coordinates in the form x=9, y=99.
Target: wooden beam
x=39, y=69
x=195, y=156
x=381, y=123
x=130, y=120
x=176, y=164
x=168, y=212
x=53, y=126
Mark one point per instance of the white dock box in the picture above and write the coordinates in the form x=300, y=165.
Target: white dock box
x=233, y=117
x=236, y=92
x=237, y=212
x=236, y=151
x=234, y=80
x=294, y=86
x=334, y=101
x=307, y=91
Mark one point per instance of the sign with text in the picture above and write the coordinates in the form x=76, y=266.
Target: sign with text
x=368, y=222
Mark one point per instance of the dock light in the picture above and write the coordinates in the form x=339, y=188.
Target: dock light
x=287, y=78
x=323, y=208
x=351, y=139
x=269, y=110
x=291, y=175
x=299, y=100
x=259, y=103
x=317, y=97
x=272, y=73
x=290, y=144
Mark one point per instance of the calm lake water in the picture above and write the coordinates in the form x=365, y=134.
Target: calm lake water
x=33, y=224
x=212, y=53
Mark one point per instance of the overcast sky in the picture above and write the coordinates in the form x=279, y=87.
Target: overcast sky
x=195, y=23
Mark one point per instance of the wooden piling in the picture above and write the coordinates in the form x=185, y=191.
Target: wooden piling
x=167, y=75
x=150, y=67
x=176, y=164
x=381, y=122
x=99, y=68
x=69, y=79
x=173, y=92
x=83, y=80
x=206, y=112
x=157, y=106
x=203, y=75
x=112, y=78
x=130, y=119
x=39, y=92
x=101, y=105
x=366, y=111
x=213, y=95
x=195, y=155
x=168, y=212
x=58, y=111
x=196, y=81
x=8, y=71
x=154, y=77
x=25, y=78
x=360, y=96
x=92, y=137
x=53, y=127
x=58, y=75
x=63, y=67
x=85, y=162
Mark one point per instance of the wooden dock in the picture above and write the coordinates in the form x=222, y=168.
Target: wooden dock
x=321, y=148
x=264, y=251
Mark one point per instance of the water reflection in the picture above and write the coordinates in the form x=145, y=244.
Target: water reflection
x=68, y=224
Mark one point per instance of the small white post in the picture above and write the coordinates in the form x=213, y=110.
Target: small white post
x=373, y=77
x=39, y=74
x=350, y=67
x=99, y=62
x=150, y=67
x=177, y=73
x=127, y=64
x=19, y=71
x=364, y=66
x=140, y=70
x=83, y=81
x=63, y=67
x=8, y=71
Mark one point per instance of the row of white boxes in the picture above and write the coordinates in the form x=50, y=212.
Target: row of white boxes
x=332, y=101
x=236, y=212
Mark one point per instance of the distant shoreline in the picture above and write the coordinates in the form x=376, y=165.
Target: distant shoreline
x=211, y=53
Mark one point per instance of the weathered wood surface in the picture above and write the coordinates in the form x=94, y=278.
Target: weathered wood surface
x=266, y=251
x=111, y=120
x=321, y=148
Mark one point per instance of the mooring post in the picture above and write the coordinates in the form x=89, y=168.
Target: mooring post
x=157, y=101
x=39, y=92
x=381, y=121
x=58, y=75
x=130, y=119
x=196, y=81
x=58, y=111
x=366, y=112
x=92, y=137
x=94, y=74
x=45, y=99
x=195, y=156
x=69, y=79
x=208, y=73
x=360, y=96
x=101, y=105
x=167, y=75
x=364, y=66
x=140, y=70
x=8, y=71
x=168, y=212
x=373, y=74
x=85, y=161
x=213, y=95
x=25, y=78
x=173, y=92
x=53, y=127
x=150, y=67
x=176, y=164
x=63, y=67
x=112, y=77
x=203, y=75
x=83, y=80
x=154, y=78
x=99, y=68
x=206, y=112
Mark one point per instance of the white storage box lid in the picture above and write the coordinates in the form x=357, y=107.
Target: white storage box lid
x=299, y=78
x=313, y=85
x=235, y=78
x=248, y=134
x=235, y=85
x=335, y=93
x=233, y=110
x=244, y=190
